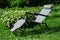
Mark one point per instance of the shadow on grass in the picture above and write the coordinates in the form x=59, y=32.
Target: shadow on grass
x=55, y=29
x=37, y=31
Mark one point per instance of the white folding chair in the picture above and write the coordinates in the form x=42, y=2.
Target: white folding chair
x=40, y=18
x=44, y=13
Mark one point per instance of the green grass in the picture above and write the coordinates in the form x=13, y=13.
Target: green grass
x=42, y=34
x=5, y=34
x=35, y=33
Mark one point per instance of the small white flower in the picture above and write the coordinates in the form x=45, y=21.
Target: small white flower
x=7, y=22
x=1, y=19
x=16, y=39
x=8, y=19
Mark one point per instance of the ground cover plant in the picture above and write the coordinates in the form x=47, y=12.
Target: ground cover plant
x=13, y=14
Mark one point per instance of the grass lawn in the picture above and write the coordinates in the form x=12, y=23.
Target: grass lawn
x=36, y=33
x=5, y=34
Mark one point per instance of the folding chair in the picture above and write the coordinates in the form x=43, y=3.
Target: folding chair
x=40, y=17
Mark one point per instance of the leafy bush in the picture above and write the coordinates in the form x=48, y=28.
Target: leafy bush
x=22, y=3
x=41, y=2
x=16, y=3
x=10, y=17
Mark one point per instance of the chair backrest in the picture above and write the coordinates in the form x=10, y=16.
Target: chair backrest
x=45, y=11
x=18, y=24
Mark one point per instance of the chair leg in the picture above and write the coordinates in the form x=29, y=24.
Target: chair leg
x=42, y=29
x=40, y=26
x=24, y=30
x=47, y=28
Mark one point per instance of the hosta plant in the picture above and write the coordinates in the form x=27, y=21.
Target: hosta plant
x=10, y=17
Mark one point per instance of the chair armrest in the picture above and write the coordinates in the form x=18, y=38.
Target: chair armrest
x=40, y=14
x=29, y=16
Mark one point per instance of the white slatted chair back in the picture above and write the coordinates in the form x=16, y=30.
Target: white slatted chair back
x=18, y=24
x=45, y=11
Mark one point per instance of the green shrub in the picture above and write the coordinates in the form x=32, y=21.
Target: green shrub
x=41, y=2
x=10, y=17
x=16, y=2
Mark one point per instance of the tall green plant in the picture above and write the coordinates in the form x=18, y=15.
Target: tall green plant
x=10, y=17
x=16, y=3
